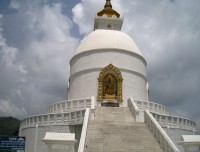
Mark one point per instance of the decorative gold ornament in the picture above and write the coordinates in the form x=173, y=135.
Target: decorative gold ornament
x=108, y=11
x=110, y=84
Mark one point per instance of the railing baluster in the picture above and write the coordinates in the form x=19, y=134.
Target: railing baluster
x=158, y=132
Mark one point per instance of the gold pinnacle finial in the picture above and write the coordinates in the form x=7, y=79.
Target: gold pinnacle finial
x=108, y=4
x=108, y=11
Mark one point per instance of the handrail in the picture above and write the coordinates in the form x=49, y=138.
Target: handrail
x=175, y=122
x=163, y=139
x=81, y=147
x=133, y=107
x=69, y=112
x=165, y=120
x=151, y=106
x=93, y=105
x=70, y=118
x=69, y=105
x=134, y=104
x=93, y=102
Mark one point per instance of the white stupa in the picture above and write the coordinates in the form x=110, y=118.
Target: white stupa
x=107, y=100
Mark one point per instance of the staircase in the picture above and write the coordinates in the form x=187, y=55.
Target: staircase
x=115, y=130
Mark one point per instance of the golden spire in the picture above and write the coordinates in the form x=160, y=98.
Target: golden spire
x=108, y=4
x=108, y=11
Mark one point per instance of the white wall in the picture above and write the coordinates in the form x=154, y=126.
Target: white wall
x=41, y=147
x=85, y=70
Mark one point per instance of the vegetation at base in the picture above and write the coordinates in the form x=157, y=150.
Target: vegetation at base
x=9, y=126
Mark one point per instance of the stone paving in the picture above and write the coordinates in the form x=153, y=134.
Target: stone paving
x=114, y=130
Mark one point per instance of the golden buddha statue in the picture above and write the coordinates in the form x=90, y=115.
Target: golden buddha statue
x=110, y=89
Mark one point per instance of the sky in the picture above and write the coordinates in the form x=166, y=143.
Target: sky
x=38, y=38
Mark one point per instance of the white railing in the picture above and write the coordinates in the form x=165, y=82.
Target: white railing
x=160, y=135
x=134, y=109
x=69, y=105
x=81, y=147
x=66, y=118
x=151, y=106
x=165, y=120
x=169, y=121
x=93, y=105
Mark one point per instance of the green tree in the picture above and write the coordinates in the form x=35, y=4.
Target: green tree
x=9, y=126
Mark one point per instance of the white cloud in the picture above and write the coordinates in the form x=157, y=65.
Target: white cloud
x=53, y=23
x=2, y=39
x=42, y=63
x=14, y=4
x=79, y=19
x=8, y=54
x=8, y=108
x=51, y=53
x=48, y=55
x=84, y=13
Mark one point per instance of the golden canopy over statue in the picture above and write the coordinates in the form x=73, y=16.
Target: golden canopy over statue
x=108, y=11
x=110, y=84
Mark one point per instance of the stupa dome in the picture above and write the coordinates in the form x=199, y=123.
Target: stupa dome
x=101, y=39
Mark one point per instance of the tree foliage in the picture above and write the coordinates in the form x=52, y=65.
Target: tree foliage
x=9, y=126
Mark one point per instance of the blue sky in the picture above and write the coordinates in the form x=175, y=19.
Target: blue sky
x=38, y=38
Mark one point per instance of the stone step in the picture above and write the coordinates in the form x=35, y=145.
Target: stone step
x=115, y=130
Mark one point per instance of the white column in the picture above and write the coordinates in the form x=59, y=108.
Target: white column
x=36, y=136
x=20, y=131
x=186, y=148
x=70, y=148
x=93, y=105
x=49, y=148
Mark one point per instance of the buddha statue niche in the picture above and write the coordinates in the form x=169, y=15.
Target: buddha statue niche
x=110, y=84
x=110, y=87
